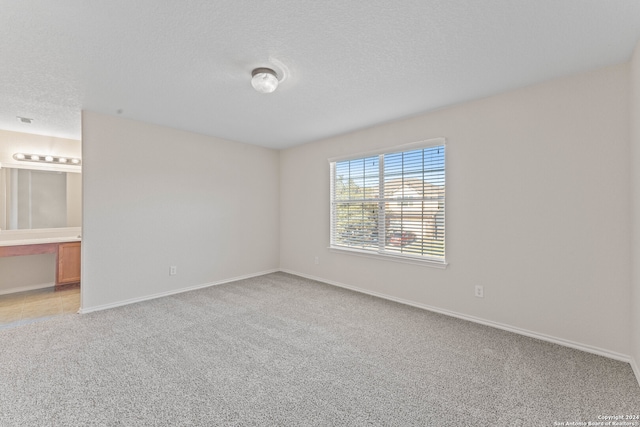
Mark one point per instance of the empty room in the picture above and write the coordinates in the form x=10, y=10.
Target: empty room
x=320, y=213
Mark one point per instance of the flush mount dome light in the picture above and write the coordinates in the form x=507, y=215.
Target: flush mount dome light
x=264, y=80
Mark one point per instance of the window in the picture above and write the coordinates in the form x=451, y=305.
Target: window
x=391, y=203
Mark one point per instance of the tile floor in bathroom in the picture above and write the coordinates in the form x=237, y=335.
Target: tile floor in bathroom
x=29, y=306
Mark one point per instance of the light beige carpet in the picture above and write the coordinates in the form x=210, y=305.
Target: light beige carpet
x=281, y=350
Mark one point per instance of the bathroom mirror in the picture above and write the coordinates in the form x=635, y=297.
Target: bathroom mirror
x=36, y=199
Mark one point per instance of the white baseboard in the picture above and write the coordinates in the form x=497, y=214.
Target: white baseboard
x=560, y=341
x=86, y=310
x=26, y=288
x=635, y=368
x=555, y=340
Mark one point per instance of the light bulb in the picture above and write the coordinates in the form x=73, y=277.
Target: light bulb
x=264, y=80
x=34, y=157
x=49, y=158
x=62, y=160
x=75, y=161
x=19, y=156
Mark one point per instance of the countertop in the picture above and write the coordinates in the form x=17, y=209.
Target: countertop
x=40, y=236
x=38, y=241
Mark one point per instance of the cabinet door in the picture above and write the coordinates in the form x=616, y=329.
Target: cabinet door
x=68, y=263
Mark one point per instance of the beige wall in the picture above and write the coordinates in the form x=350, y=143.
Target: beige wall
x=28, y=272
x=156, y=197
x=635, y=197
x=23, y=273
x=538, y=209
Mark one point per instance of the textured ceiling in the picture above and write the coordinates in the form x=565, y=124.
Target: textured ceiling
x=346, y=64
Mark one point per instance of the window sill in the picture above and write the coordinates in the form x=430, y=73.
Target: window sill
x=389, y=257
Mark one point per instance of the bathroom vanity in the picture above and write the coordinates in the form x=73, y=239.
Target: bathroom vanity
x=40, y=211
x=66, y=246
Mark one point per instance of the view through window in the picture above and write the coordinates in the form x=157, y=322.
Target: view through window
x=391, y=203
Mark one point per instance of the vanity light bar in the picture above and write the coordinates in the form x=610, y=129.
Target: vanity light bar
x=47, y=158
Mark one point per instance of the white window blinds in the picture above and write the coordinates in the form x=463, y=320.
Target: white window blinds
x=391, y=203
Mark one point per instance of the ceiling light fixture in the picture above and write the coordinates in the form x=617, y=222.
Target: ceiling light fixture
x=23, y=157
x=264, y=80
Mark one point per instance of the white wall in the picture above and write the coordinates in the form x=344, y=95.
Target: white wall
x=156, y=197
x=635, y=197
x=538, y=186
x=28, y=272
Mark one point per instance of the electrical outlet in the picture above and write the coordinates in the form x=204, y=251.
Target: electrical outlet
x=173, y=270
x=317, y=260
x=480, y=291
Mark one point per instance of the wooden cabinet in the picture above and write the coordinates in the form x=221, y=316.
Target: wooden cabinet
x=68, y=270
x=67, y=258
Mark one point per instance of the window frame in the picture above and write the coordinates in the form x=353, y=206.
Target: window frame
x=381, y=253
